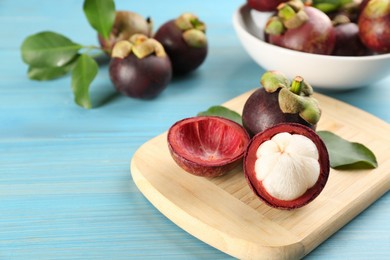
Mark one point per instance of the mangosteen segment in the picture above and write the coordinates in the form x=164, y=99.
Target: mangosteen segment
x=287, y=165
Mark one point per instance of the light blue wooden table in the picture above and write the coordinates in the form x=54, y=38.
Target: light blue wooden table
x=65, y=187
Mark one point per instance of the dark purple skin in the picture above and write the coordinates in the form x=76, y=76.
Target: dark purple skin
x=374, y=31
x=314, y=36
x=348, y=42
x=184, y=58
x=140, y=78
x=264, y=5
x=262, y=111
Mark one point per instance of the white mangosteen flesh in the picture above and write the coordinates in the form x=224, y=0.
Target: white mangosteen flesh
x=287, y=165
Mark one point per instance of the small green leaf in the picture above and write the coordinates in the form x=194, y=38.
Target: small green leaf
x=46, y=73
x=347, y=155
x=49, y=73
x=222, y=112
x=100, y=15
x=48, y=49
x=83, y=74
x=330, y=5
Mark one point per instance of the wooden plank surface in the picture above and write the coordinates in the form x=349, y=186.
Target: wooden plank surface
x=65, y=187
x=226, y=214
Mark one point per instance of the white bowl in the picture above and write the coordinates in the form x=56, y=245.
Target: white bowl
x=322, y=71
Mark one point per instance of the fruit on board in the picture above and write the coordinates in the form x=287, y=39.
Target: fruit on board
x=125, y=25
x=185, y=42
x=140, y=68
x=374, y=25
x=301, y=28
x=279, y=101
x=207, y=146
x=287, y=165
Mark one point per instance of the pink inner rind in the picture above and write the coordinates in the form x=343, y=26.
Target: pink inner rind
x=208, y=140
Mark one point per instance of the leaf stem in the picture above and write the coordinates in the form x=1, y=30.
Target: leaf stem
x=93, y=51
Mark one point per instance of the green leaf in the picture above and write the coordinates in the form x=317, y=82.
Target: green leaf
x=222, y=112
x=48, y=49
x=46, y=73
x=100, y=15
x=49, y=73
x=83, y=74
x=347, y=155
x=330, y=5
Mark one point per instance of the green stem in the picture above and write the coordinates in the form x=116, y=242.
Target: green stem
x=90, y=50
x=92, y=47
x=296, y=85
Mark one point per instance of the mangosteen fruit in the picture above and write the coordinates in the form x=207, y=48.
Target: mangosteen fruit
x=140, y=68
x=264, y=5
x=185, y=42
x=207, y=146
x=280, y=101
x=301, y=28
x=287, y=165
x=348, y=42
x=126, y=24
x=374, y=25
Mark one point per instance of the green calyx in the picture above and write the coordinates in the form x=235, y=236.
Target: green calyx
x=340, y=19
x=290, y=15
x=273, y=80
x=295, y=97
x=275, y=26
x=194, y=30
x=140, y=45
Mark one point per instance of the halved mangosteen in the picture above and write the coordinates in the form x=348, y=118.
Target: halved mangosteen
x=287, y=165
x=207, y=146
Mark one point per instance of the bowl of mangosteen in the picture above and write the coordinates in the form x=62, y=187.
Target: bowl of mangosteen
x=333, y=44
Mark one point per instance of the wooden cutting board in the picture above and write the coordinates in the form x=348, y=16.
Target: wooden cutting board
x=224, y=212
